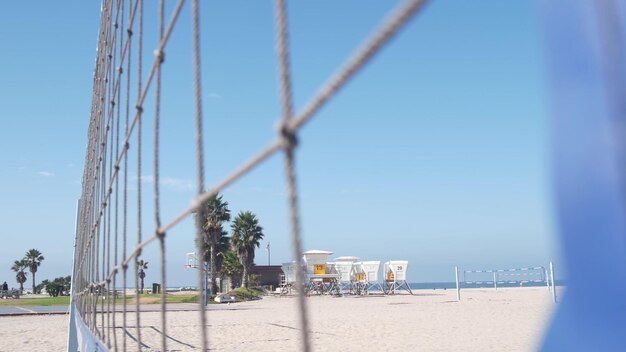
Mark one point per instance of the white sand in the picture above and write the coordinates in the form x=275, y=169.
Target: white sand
x=33, y=333
x=485, y=320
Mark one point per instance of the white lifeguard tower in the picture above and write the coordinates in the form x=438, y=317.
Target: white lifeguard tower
x=288, y=279
x=320, y=280
x=371, y=269
x=395, y=276
x=359, y=279
x=345, y=269
x=315, y=261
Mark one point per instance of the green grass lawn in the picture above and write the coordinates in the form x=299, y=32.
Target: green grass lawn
x=46, y=301
x=187, y=298
x=242, y=294
x=156, y=298
x=65, y=300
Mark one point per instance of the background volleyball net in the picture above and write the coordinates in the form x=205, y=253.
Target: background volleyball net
x=126, y=115
x=505, y=276
x=529, y=276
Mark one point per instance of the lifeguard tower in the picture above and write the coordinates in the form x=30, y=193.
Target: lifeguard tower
x=345, y=269
x=288, y=279
x=359, y=279
x=319, y=280
x=395, y=276
x=371, y=269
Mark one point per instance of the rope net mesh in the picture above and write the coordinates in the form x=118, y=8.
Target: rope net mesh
x=110, y=238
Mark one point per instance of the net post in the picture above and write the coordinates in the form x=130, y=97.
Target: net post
x=458, y=288
x=553, y=285
x=495, y=282
x=72, y=340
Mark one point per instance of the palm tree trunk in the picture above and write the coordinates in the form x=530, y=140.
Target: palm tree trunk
x=34, y=282
x=212, y=269
x=244, y=277
x=142, y=286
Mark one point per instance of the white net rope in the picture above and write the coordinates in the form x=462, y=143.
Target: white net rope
x=107, y=256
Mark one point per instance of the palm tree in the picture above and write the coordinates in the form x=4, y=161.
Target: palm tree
x=232, y=267
x=214, y=213
x=33, y=260
x=45, y=284
x=246, y=235
x=20, y=276
x=142, y=265
x=223, y=246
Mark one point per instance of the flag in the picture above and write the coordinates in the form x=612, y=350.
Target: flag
x=267, y=247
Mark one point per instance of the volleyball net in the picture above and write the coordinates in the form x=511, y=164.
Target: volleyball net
x=126, y=104
x=517, y=276
x=529, y=276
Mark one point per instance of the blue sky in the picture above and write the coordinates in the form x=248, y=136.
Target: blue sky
x=438, y=152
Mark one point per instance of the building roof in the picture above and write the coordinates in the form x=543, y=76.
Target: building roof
x=347, y=258
x=317, y=251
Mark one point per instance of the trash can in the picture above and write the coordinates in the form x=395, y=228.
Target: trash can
x=156, y=288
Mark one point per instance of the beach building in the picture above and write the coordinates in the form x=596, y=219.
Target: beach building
x=267, y=275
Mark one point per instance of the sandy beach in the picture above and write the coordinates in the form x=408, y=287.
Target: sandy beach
x=509, y=319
